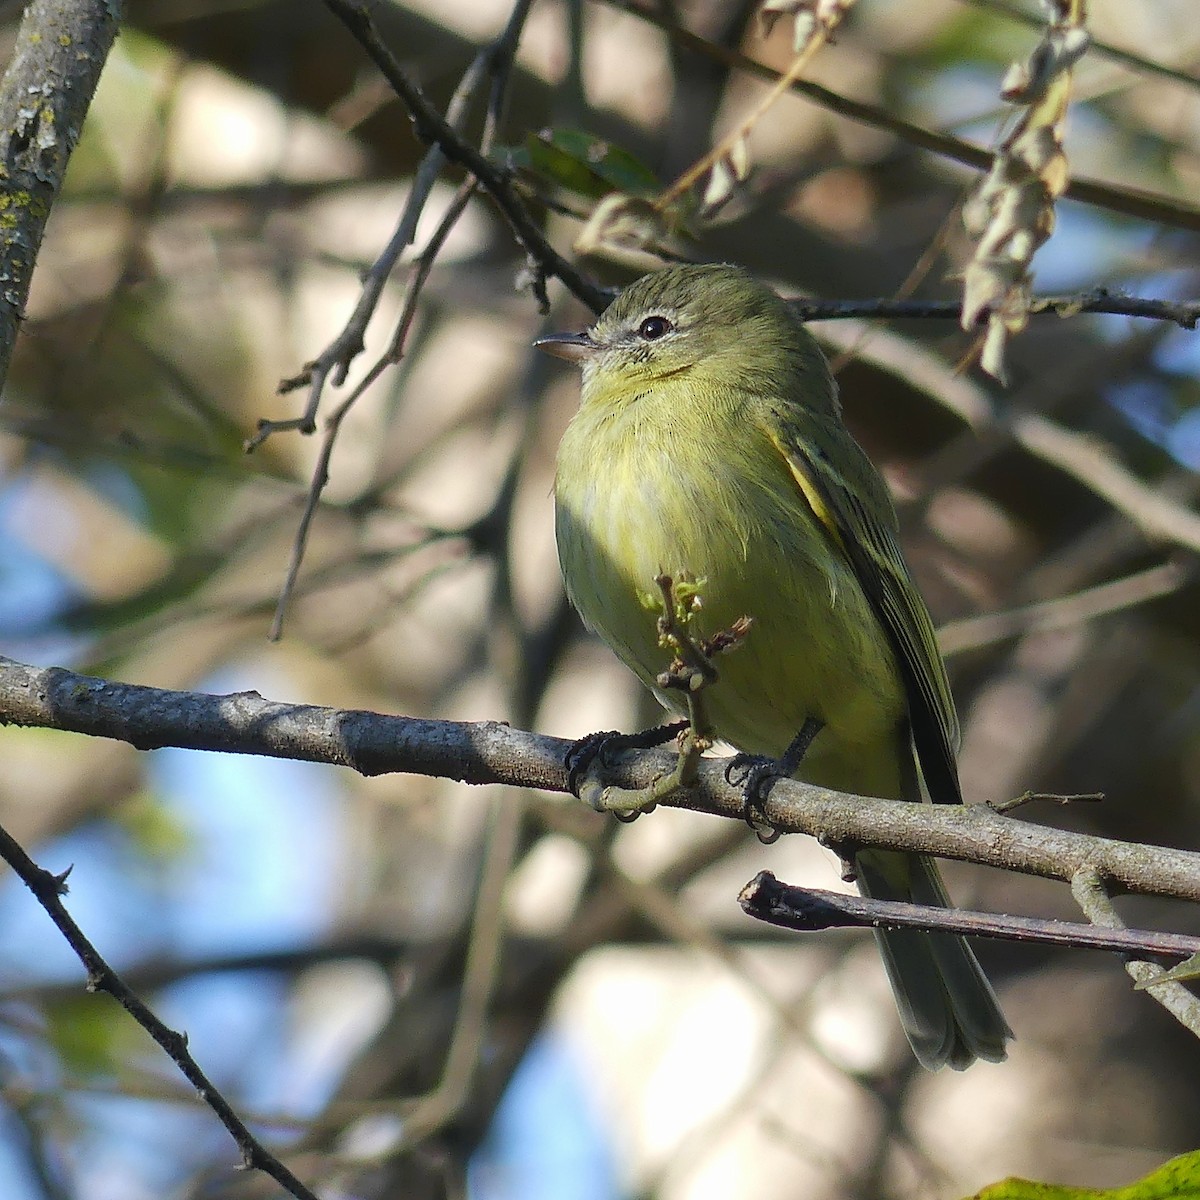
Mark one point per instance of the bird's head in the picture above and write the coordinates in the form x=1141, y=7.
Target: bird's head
x=716, y=321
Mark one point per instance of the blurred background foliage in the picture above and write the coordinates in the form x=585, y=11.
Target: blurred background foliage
x=312, y=931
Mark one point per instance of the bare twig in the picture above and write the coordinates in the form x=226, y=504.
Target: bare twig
x=810, y=909
x=490, y=752
x=1015, y=802
x=1087, y=886
x=820, y=31
x=430, y=127
x=335, y=361
x=395, y=351
x=49, y=889
x=494, y=61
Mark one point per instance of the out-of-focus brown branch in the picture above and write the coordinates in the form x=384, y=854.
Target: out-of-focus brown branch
x=1086, y=458
x=61, y=49
x=1065, y=612
x=491, y=752
x=1133, y=202
x=1185, y=314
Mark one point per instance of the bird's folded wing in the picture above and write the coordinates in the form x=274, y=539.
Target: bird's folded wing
x=846, y=500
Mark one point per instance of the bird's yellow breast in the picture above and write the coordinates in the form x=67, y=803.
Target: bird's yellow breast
x=640, y=491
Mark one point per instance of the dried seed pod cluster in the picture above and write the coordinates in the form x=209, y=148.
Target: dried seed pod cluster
x=1011, y=213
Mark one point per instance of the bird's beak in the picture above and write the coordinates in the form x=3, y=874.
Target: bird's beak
x=574, y=347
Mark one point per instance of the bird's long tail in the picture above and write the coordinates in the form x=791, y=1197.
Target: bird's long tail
x=947, y=1005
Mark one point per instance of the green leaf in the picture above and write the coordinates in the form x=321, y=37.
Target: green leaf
x=1178, y=1179
x=1188, y=969
x=155, y=830
x=88, y=1034
x=582, y=163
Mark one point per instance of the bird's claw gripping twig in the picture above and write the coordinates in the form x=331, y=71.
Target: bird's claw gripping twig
x=756, y=774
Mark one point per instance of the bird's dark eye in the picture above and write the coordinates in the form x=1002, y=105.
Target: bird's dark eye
x=653, y=328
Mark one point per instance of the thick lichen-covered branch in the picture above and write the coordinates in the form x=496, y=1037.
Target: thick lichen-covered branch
x=491, y=752
x=61, y=49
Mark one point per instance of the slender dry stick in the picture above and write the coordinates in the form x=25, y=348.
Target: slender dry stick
x=430, y=127
x=811, y=909
x=48, y=889
x=1087, y=886
x=724, y=147
x=495, y=60
x=320, y=475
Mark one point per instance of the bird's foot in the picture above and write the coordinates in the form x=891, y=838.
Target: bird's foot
x=757, y=774
x=598, y=750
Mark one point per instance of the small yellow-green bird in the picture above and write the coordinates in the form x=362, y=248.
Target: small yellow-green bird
x=710, y=442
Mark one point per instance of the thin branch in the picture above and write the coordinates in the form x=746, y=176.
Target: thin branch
x=1185, y=314
x=821, y=33
x=491, y=752
x=431, y=128
x=395, y=351
x=335, y=360
x=48, y=889
x=1087, y=886
x=810, y=909
x=496, y=60
x=1133, y=202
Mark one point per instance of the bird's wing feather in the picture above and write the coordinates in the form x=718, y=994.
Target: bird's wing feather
x=846, y=501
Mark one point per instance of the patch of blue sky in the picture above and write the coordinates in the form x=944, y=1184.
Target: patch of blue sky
x=259, y=872
x=961, y=99
x=1179, y=353
x=547, y=1141
x=1089, y=249
x=32, y=593
x=263, y=865
x=1183, y=440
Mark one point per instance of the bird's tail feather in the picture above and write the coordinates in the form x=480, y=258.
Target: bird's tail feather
x=947, y=1007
